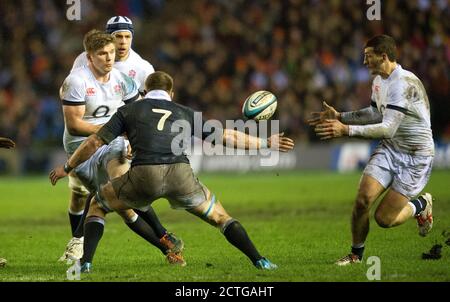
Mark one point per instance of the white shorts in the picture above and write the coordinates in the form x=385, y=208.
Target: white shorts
x=404, y=173
x=93, y=173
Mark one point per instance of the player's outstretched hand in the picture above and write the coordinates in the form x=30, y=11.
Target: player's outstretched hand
x=281, y=143
x=56, y=174
x=331, y=129
x=328, y=113
x=6, y=143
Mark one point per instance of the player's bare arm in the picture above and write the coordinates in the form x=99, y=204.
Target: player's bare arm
x=73, y=116
x=244, y=141
x=331, y=128
x=6, y=143
x=328, y=113
x=86, y=150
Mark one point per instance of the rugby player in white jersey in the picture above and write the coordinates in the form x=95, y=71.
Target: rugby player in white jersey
x=127, y=60
x=131, y=64
x=401, y=165
x=90, y=95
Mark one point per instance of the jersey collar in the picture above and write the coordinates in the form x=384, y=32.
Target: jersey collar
x=158, y=94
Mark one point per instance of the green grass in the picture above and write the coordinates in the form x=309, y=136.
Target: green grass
x=299, y=220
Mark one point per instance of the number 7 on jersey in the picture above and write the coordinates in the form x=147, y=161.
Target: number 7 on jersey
x=162, y=120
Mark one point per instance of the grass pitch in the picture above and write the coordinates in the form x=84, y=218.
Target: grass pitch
x=299, y=220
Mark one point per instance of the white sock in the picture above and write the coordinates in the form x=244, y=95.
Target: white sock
x=413, y=207
x=76, y=213
x=133, y=219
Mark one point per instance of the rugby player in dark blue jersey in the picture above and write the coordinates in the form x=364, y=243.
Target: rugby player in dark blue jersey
x=157, y=171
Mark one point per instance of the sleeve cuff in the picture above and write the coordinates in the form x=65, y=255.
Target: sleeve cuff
x=351, y=130
x=69, y=103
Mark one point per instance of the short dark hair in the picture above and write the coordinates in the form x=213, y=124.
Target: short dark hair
x=384, y=44
x=96, y=39
x=159, y=80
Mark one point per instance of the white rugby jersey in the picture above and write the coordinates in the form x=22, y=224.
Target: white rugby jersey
x=403, y=92
x=134, y=66
x=101, y=100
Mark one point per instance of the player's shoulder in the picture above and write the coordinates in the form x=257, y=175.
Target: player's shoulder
x=139, y=61
x=400, y=82
x=183, y=107
x=80, y=71
x=135, y=56
x=82, y=55
x=403, y=72
x=409, y=76
x=183, y=112
x=75, y=84
x=401, y=76
x=78, y=76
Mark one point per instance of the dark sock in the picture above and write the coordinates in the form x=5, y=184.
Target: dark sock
x=74, y=222
x=141, y=228
x=79, y=231
x=420, y=204
x=359, y=251
x=93, y=232
x=150, y=217
x=237, y=236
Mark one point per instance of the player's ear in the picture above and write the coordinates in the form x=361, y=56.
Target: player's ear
x=171, y=93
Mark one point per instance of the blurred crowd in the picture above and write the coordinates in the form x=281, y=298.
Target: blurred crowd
x=220, y=51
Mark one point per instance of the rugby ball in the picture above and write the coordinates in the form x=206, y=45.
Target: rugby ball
x=260, y=105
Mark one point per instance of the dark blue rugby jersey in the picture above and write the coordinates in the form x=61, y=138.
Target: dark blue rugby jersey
x=153, y=127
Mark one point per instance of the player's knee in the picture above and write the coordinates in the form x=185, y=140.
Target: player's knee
x=222, y=220
x=217, y=219
x=383, y=220
x=363, y=201
x=214, y=213
x=96, y=210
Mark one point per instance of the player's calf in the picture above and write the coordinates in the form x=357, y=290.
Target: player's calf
x=76, y=207
x=212, y=212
